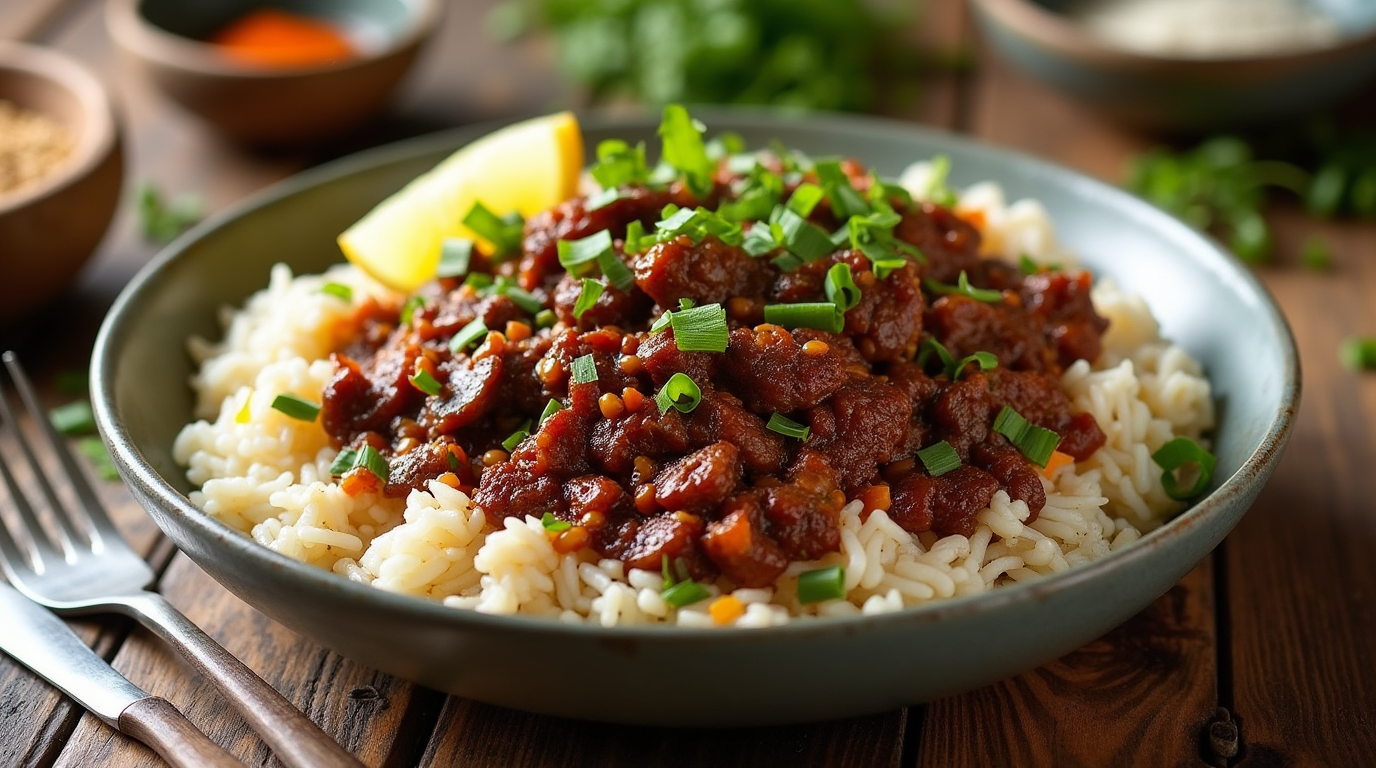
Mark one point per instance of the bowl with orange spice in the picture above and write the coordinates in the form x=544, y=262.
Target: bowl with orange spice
x=274, y=73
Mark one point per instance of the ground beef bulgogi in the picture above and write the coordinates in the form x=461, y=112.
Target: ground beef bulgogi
x=714, y=489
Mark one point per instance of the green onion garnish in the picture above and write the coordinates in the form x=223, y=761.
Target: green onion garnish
x=95, y=450
x=1178, y=453
x=759, y=241
x=619, y=164
x=587, y=297
x=822, y=584
x=937, y=191
x=696, y=224
x=553, y=524
x=478, y=281
x=939, y=458
x=338, y=290
x=685, y=593
x=369, y=458
x=684, y=149
x=845, y=201
x=296, y=407
x=787, y=427
x=504, y=232
x=525, y=300
x=725, y=145
x=1027, y=266
x=584, y=369
x=841, y=288
x=554, y=406
x=452, y=460
x=343, y=462
x=468, y=335
x=700, y=329
x=409, y=307
x=545, y=318
x=786, y=262
x=805, y=198
x=635, y=238
x=822, y=315
x=964, y=288
x=603, y=199
x=1036, y=443
x=756, y=198
x=801, y=237
x=679, y=392
x=455, y=255
x=576, y=255
x=616, y=272
x=426, y=383
x=75, y=418
x=516, y=437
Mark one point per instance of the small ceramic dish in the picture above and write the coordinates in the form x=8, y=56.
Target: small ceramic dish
x=807, y=670
x=50, y=227
x=166, y=41
x=1165, y=92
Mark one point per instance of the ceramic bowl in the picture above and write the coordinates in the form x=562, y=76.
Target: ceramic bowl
x=1164, y=92
x=48, y=229
x=800, y=672
x=164, y=40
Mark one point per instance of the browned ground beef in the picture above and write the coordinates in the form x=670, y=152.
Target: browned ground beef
x=714, y=488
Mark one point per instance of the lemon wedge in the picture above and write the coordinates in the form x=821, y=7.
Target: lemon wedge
x=526, y=167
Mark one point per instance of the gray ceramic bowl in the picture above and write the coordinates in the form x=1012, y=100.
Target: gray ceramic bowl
x=1178, y=93
x=806, y=671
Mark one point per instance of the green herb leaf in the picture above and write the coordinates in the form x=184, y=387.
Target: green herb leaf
x=162, y=220
x=787, y=427
x=679, y=392
x=584, y=369
x=74, y=418
x=554, y=406
x=939, y=458
x=576, y=256
x=963, y=288
x=841, y=288
x=409, y=307
x=1036, y=443
x=426, y=383
x=587, y=297
x=700, y=329
x=455, y=255
x=296, y=407
x=338, y=290
x=370, y=459
x=468, y=335
x=685, y=593
x=545, y=318
x=822, y=315
x=343, y=462
x=504, y=232
x=845, y=201
x=554, y=525
x=684, y=149
x=822, y=584
x=1181, y=453
x=1358, y=353
x=516, y=437
x=92, y=448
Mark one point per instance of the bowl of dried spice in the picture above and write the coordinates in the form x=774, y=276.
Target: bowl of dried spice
x=61, y=169
x=274, y=73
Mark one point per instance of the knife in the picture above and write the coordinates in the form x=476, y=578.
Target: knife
x=45, y=644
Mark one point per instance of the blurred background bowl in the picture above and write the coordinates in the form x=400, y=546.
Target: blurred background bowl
x=1176, y=92
x=49, y=228
x=167, y=41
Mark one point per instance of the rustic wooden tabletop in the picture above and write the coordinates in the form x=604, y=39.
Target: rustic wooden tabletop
x=1264, y=655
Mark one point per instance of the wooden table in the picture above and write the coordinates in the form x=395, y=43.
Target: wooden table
x=1264, y=655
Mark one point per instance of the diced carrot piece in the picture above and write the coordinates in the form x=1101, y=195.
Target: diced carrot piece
x=1057, y=461
x=732, y=535
x=726, y=609
x=876, y=497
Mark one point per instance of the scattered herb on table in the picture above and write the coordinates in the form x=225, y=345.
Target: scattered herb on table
x=162, y=219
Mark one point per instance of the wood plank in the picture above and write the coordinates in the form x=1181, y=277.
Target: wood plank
x=479, y=735
x=1144, y=693
x=1299, y=565
x=385, y=721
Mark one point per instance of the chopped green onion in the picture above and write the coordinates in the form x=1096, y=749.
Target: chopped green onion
x=522, y=298
x=1178, y=453
x=725, y=145
x=985, y=360
x=468, y=335
x=584, y=369
x=75, y=418
x=452, y=460
x=95, y=450
x=662, y=321
x=554, y=406
x=964, y=288
x=409, y=307
x=845, y=201
x=426, y=383
x=552, y=524
x=801, y=237
x=343, y=462
x=787, y=427
x=1036, y=443
x=455, y=255
x=1027, y=266
x=686, y=303
x=822, y=584
x=162, y=220
x=587, y=297
x=759, y=241
x=370, y=459
x=619, y=164
x=884, y=267
x=679, y=392
x=504, y=232
x=516, y=437
x=478, y=281
x=685, y=593
x=786, y=262
x=338, y=290
x=937, y=191
x=700, y=329
x=939, y=458
x=822, y=315
x=755, y=200
x=296, y=407
x=664, y=568
x=841, y=288
x=603, y=199
x=697, y=224
x=805, y=198
x=576, y=255
x=545, y=318
x=635, y=237
x=684, y=149
x=616, y=272
x=931, y=346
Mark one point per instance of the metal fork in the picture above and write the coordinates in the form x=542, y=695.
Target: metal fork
x=89, y=568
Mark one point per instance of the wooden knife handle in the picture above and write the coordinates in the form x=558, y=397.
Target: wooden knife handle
x=155, y=722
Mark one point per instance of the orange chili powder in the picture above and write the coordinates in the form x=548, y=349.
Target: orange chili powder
x=279, y=38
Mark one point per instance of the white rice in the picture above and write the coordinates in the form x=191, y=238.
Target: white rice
x=267, y=475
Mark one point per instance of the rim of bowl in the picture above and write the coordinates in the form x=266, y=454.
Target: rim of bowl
x=136, y=34
x=96, y=137
x=136, y=471
x=1055, y=31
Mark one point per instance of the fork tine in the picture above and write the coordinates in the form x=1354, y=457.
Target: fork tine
x=90, y=509
x=42, y=547
x=15, y=563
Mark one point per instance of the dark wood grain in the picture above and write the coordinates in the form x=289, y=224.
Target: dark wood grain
x=158, y=724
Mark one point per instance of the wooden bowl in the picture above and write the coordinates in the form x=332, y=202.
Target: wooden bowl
x=1174, y=93
x=272, y=104
x=48, y=229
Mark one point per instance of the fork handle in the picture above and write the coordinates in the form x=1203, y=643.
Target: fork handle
x=155, y=722
x=298, y=742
